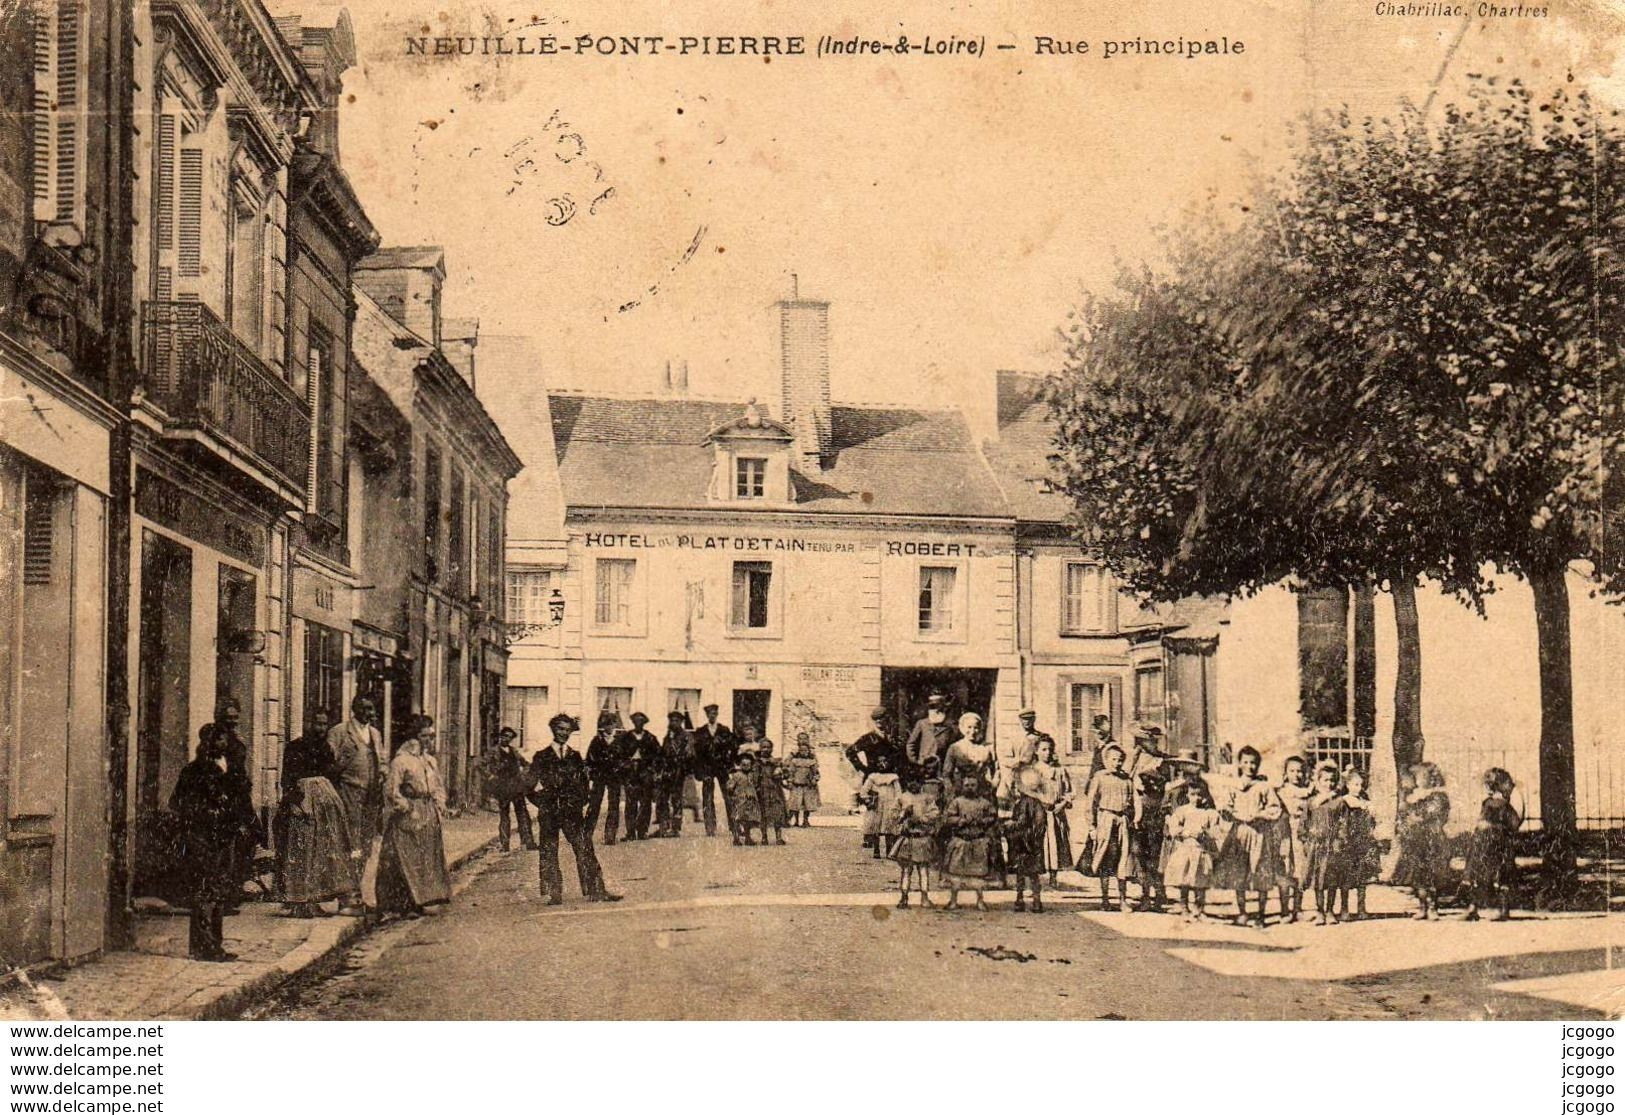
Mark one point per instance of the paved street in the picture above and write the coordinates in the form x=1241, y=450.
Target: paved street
x=710, y=931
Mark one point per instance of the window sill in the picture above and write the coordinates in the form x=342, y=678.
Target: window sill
x=616, y=632
x=755, y=633
x=940, y=637
x=1099, y=633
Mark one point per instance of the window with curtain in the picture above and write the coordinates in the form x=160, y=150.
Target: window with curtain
x=752, y=595
x=613, y=600
x=937, y=585
x=618, y=700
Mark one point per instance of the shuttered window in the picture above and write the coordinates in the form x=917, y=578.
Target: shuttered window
x=60, y=86
x=38, y=532
x=190, y=215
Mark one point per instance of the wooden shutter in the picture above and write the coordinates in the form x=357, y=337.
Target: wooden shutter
x=68, y=62
x=38, y=534
x=44, y=90
x=191, y=213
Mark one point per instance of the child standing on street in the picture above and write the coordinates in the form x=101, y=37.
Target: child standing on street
x=919, y=817
x=1024, y=837
x=1294, y=793
x=1109, y=804
x=1490, y=855
x=1322, y=828
x=1361, y=860
x=970, y=823
x=1193, y=830
x=801, y=782
x=1424, y=856
x=883, y=792
x=743, y=805
x=770, y=792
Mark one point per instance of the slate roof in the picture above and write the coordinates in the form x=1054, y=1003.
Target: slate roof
x=1019, y=456
x=651, y=453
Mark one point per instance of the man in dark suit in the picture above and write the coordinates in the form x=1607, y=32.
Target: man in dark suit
x=606, y=772
x=865, y=754
x=716, y=749
x=644, y=759
x=505, y=781
x=558, y=789
x=676, y=761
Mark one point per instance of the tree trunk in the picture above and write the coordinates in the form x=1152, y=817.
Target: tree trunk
x=1407, y=676
x=1557, y=810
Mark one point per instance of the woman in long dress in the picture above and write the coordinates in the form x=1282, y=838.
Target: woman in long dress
x=412, y=865
x=315, y=847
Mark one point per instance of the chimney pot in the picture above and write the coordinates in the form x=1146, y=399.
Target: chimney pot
x=804, y=371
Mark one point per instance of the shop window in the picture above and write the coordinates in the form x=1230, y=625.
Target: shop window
x=1084, y=606
x=937, y=584
x=752, y=596
x=324, y=672
x=613, y=603
x=1086, y=701
x=1149, y=700
x=750, y=477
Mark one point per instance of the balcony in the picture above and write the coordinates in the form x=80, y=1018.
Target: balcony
x=207, y=382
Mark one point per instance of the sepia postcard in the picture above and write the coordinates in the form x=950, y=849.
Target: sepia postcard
x=1036, y=509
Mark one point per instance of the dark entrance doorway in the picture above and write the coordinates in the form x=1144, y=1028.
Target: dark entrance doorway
x=163, y=684
x=237, y=644
x=903, y=692
x=750, y=706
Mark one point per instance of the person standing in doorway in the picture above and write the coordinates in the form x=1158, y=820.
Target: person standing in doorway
x=360, y=761
x=716, y=749
x=606, y=772
x=932, y=735
x=505, y=772
x=558, y=789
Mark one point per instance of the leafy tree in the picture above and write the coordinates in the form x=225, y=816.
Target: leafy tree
x=1403, y=364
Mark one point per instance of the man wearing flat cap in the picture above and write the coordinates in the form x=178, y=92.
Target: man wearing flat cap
x=715, y=751
x=644, y=760
x=865, y=754
x=933, y=734
x=606, y=773
x=558, y=789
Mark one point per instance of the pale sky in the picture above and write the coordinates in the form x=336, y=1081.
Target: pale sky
x=948, y=208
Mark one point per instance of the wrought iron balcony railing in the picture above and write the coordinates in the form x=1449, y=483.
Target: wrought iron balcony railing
x=203, y=378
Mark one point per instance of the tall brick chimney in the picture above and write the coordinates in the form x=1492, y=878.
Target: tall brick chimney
x=406, y=283
x=804, y=368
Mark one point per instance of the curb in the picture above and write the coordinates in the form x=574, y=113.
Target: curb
x=326, y=940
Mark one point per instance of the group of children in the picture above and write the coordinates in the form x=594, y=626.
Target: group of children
x=764, y=792
x=1312, y=835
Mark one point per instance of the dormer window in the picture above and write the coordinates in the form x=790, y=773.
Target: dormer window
x=752, y=463
x=750, y=477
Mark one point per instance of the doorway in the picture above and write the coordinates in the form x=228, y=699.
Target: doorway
x=163, y=714
x=236, y=646
x=903, y=693
x=750, y=706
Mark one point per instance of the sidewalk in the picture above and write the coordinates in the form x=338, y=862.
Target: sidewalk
x=155, y=980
